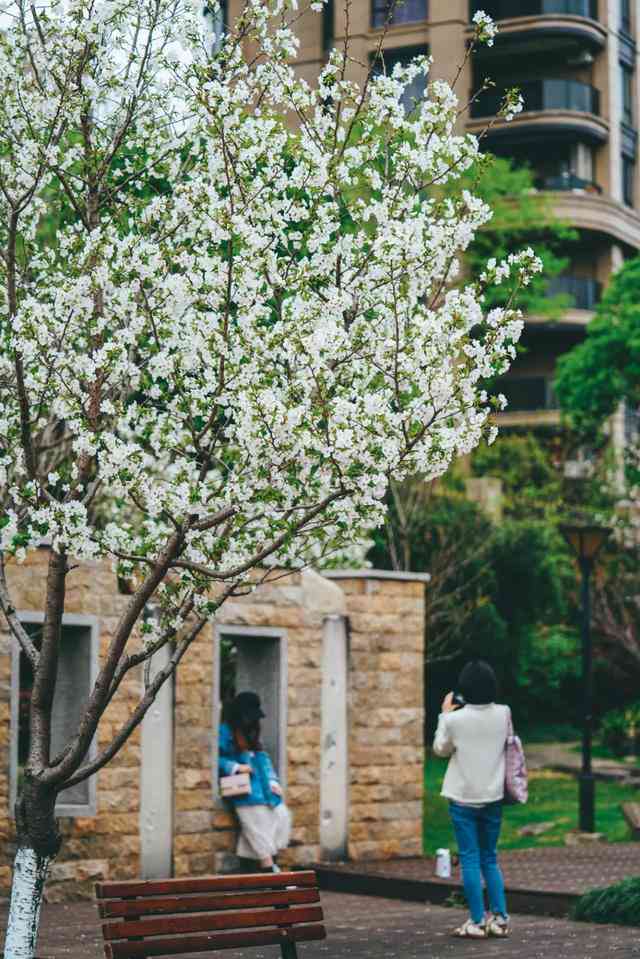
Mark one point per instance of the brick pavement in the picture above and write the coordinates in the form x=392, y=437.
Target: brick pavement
x=363, y=927
x=562, y=872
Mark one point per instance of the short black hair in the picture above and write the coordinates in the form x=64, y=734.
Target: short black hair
x=477, y=683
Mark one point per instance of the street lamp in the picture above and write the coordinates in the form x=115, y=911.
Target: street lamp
x=586, y=542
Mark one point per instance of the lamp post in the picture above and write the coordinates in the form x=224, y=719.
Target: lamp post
x=586, y=542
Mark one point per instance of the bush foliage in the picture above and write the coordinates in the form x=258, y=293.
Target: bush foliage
x=617, y=904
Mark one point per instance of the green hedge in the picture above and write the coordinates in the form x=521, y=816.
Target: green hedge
x=618, y=904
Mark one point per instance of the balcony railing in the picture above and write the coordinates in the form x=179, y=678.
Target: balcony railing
x=540, y=95
x=584, y=291
x=402, y=11
x=507, y=9
x=527, y=394
x=567, y=181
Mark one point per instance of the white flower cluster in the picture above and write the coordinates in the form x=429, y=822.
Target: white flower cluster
x=512, y=104
x=239, y=327
x=485, y=28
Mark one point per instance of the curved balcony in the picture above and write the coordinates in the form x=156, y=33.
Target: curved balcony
x=573, y=20
x=510, y=9
x=584, y=291
x=553, y=108
x=543, y=95
x=568, y=181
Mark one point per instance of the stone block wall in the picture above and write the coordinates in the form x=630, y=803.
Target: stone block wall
x=386, y=629
x=386, y=709
x=107, y=844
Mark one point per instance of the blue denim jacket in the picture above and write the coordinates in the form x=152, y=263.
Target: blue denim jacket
x=263, y=773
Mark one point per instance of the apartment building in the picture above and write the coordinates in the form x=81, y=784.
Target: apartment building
x=576, y=64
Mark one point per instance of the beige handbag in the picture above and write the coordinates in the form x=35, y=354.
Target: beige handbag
x=237, y=785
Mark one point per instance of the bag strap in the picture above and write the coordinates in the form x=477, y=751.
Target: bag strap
x=510, y=729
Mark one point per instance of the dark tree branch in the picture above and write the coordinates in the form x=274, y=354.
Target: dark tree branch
x=13, y=621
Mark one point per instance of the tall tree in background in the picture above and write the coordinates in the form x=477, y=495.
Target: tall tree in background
x=593, y=380
x=200, y=383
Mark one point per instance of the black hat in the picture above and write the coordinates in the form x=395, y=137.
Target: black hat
x=246, y=707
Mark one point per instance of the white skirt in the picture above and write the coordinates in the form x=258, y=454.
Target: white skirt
x=264, y=831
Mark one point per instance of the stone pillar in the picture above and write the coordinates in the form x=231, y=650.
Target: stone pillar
x=334, y=768
x=386, y=711
x=156, y=780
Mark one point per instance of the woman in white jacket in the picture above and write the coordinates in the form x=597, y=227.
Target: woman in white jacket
x=474, y=738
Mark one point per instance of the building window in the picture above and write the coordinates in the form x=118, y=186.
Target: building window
x=328, y=14
x=77, y=669
x=625, y=16
x=217, y=20
x=628, y=180
x=398, y=11
x=528, y=394
x=626, y=76
x=256, y=660
x=415, y=90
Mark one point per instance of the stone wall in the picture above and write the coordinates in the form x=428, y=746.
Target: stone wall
x=107, y=844
x=386, y=708
x=386, y=617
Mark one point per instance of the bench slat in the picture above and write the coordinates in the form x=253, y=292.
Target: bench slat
x=134, y=908
x=202, y=923
x=131, y=888
x=208, y=943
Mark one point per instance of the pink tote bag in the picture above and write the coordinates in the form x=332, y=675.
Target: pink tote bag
x=516, y=785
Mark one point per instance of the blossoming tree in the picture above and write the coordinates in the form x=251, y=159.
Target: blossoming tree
x=242, y=323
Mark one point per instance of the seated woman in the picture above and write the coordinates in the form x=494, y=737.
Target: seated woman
x=265, y=821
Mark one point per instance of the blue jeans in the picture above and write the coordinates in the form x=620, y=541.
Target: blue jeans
x=477, y=832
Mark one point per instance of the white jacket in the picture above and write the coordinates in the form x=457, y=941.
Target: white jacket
x=474, y=737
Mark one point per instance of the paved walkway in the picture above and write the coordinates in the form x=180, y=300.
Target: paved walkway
x=545, y=869
x=368, y=928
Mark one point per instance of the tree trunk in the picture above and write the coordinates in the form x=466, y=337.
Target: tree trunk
x=38, y=844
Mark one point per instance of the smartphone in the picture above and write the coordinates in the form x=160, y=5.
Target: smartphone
x=458, y=700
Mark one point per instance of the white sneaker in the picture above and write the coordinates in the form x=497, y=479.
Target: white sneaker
x=470, y=930
x=497, y=926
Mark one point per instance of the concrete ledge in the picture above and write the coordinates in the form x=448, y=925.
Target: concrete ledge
x=376, y=574
x=436, y=891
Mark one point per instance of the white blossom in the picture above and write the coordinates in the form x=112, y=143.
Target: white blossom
x=234, y=316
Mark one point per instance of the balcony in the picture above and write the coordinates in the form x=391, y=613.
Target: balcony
x=542, y=95
x=396, y=13
x=584, y=291
x=568, y=181
x=568, y=28
x=511, y=9
x=526, y=394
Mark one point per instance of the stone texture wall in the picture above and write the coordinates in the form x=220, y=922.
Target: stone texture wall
x=386, y=618
x=386, y=709
x=205, y=831
x=107, y=844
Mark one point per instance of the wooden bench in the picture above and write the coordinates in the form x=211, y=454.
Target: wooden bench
x=176, y=916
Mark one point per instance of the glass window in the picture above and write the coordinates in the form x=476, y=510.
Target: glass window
x=217, y=19
x=628, y=180
x=385, y=64
x=625, y=15
x=76, y=670
x=626, y=76
x=328, y=14
x=398, y=11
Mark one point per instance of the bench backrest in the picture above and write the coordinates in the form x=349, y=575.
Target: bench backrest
x=176, y=916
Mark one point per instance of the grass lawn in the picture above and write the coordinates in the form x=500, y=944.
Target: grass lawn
x=553, y=797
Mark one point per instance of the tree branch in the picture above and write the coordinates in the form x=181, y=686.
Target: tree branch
x=13, y=621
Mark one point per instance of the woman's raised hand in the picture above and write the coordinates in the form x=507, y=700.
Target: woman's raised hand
x=448, y=705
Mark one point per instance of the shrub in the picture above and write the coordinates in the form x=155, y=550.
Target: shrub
x=620, y=730
x=618, y=904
